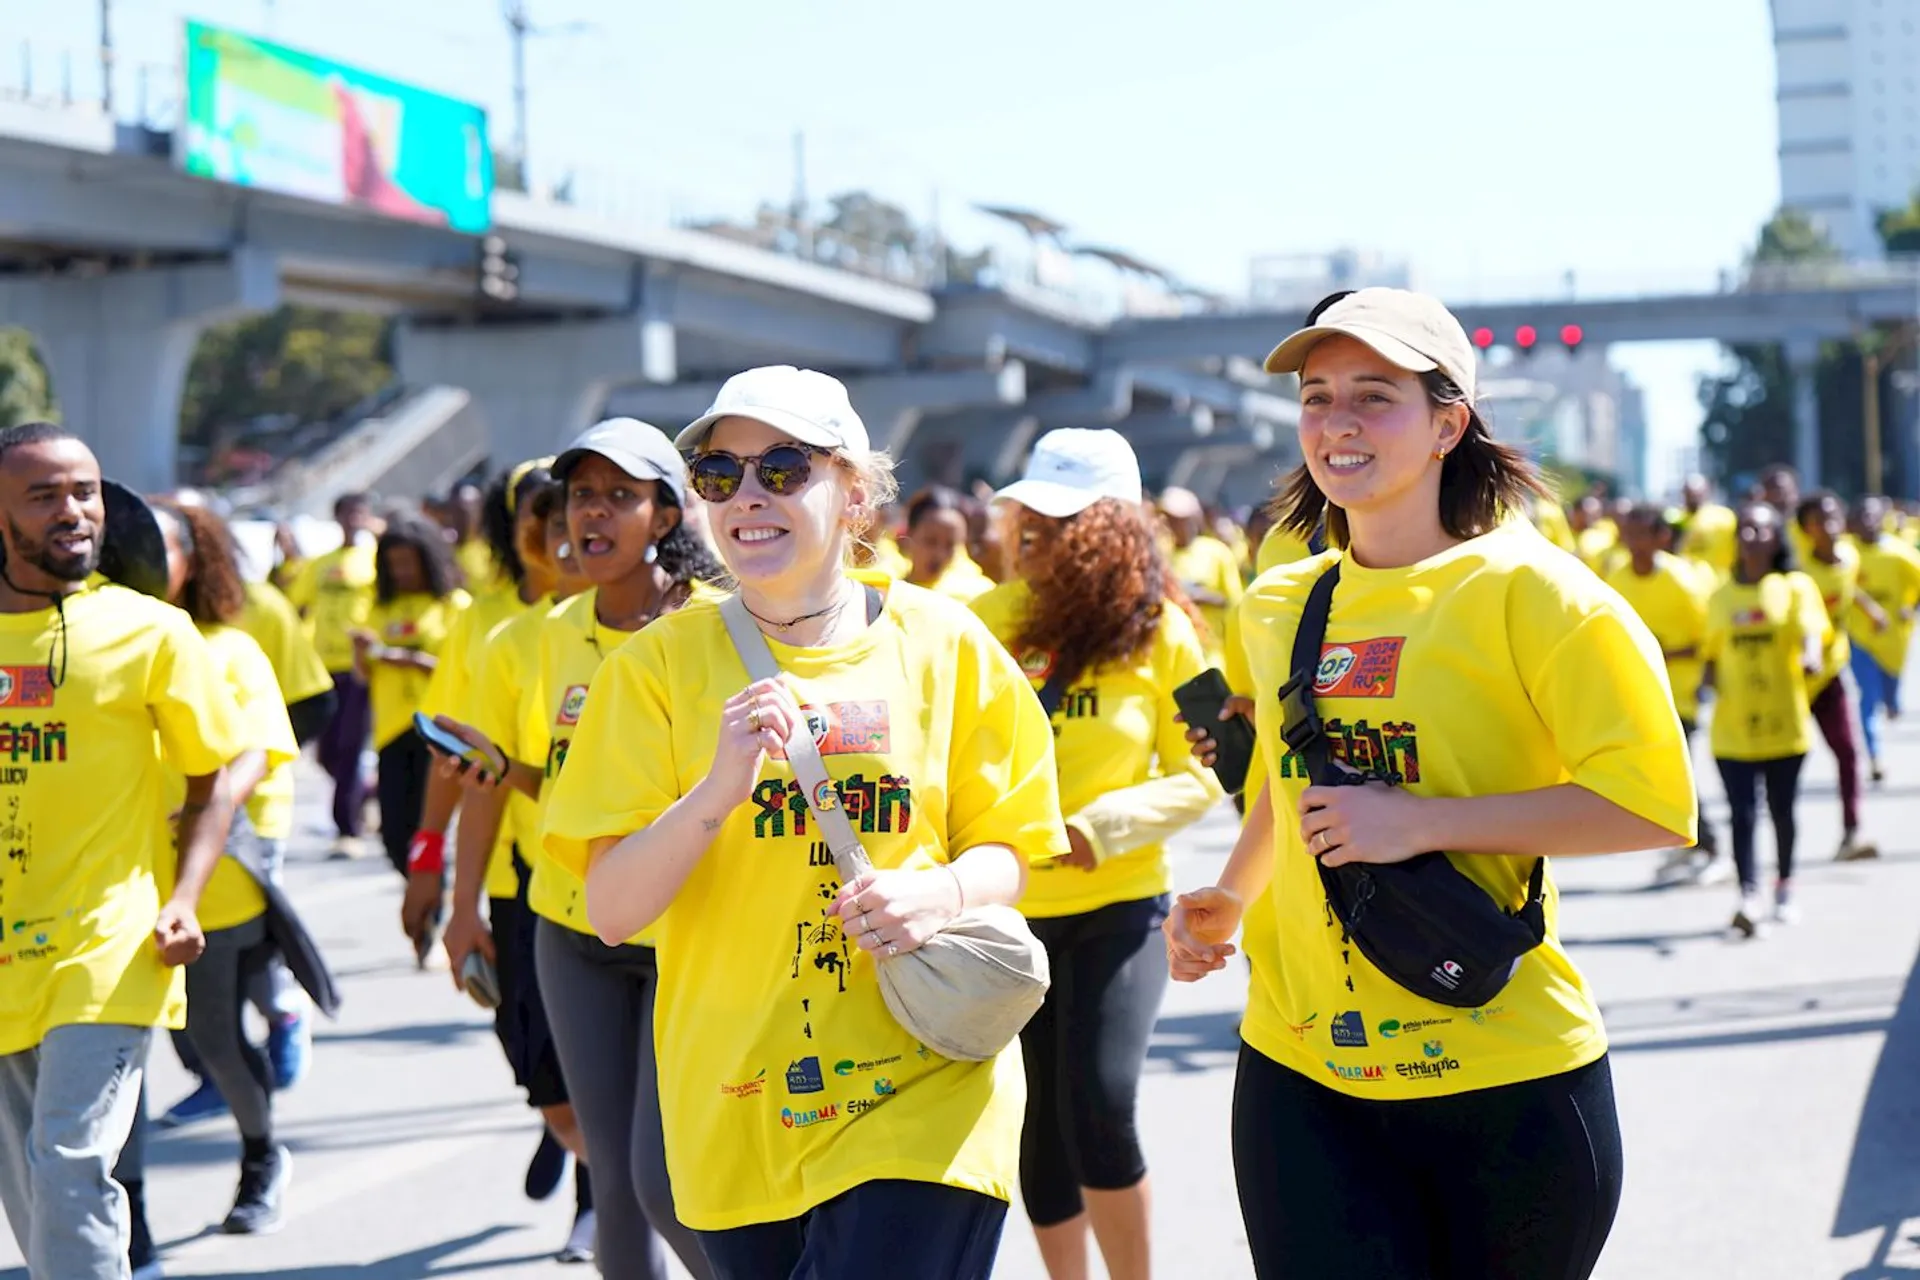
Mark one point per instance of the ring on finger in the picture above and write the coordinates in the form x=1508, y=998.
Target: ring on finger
x=864, y=926
x=1320, y=842
x=892, y=950
x=753, y=718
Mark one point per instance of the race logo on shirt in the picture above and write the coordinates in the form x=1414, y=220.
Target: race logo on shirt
x=1037, y=664
x=873, y=805
x=25, y=741
x=402, y=629
x=1364, y=669
x=25, y=687
x=848, y=729
x=572, y=705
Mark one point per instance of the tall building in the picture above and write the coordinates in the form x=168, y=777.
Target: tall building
x=1848, y=75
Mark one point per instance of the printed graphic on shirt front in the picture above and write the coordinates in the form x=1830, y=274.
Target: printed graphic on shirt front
x=882, y=805
x=25, y=687
x=1363, y=669
x=1389, y=751
x=847, y=729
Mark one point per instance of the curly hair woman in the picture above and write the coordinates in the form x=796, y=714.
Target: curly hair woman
x=1099, y=623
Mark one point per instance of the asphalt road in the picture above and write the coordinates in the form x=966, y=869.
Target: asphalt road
x=1770, y=1090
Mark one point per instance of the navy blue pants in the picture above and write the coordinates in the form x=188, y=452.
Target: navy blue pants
x=898, y=1229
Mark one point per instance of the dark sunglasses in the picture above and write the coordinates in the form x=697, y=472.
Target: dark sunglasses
x=784, y=470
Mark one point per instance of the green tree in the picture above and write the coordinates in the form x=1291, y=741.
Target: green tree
x=299, y=361
x=24, y=393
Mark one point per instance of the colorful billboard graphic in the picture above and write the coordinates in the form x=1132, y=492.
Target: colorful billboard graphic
x=262, y=115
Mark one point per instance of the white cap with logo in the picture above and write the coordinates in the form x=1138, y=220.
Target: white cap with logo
x=1073, y=468
x=811, y=407
x=1412, y=331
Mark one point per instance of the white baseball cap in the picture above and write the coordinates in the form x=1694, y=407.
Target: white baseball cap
x=1073, y=468
x=1412, y=331
x=811, y=407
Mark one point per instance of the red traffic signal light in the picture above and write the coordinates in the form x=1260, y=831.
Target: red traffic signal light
x=1483, y=337
x=1525, y=337
x=1571, y=336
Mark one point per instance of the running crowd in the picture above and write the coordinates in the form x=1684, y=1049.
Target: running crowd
x=537, y=690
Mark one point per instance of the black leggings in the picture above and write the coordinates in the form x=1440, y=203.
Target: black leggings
x=1742, y=779
x=405, y=765
x=1084, y=1050
x=1519, y=1182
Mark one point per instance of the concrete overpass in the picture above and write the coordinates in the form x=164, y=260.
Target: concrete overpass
x=117, y=262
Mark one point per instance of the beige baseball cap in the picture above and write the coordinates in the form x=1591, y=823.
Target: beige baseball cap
x=1412, y=331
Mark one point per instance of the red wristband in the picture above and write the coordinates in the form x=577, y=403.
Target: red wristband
x=427, y=853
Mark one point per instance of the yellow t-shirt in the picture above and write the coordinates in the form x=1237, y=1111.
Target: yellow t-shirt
x=1258, y=927
x=232, y=897
x=964, y=580
x=507, y=674
x=775, y=1047
x=1756, y=633
x=335, y=592
x=1890, y=576
x=1126, y=770
x=1670, y=601
x=1595, y=544
x=415, y=621
x=888, y=558
x=1497, y=666
x=573, y=643
x=1279, y=547
x=1712, y=539
x=274, y=624
x=86, y=858
x=1837, y=584
x=1207, y=565
x=1550, y=518
x=482, y=572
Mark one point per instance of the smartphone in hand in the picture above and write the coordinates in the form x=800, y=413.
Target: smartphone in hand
x=448, y=744
x=1200, y=701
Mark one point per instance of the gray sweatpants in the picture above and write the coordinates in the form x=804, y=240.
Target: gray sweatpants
x=66, y=1107
x=216, y=993
x=600, y=1009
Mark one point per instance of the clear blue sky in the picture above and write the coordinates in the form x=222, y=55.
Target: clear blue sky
x=1497, y=143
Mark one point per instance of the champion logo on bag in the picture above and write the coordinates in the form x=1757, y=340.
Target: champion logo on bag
x=1448, y=974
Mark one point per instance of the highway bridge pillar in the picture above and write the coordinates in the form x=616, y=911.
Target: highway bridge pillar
x=536, y=385
x=1803, y=357
x=117, y=346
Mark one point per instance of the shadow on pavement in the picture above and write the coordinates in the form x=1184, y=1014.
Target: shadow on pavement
x=1196, y=1042
x=424, y=1033
x=1882, y=1190
x=1661, y=944
x=411, y=1265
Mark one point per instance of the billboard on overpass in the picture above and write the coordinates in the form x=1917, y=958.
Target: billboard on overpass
x=262, y=115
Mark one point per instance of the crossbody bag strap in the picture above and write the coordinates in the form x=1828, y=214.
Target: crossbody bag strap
x=849, y=855
x=1301, y=722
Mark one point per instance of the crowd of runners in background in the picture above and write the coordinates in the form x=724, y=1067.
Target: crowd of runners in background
x=491, y=608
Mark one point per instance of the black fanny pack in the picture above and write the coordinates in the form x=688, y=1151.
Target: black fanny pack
x=1421, y=922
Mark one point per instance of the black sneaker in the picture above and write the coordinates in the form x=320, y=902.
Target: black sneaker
x=548, y=1166
x=256, y=1207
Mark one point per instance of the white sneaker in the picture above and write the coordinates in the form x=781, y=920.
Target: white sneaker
x=580, y=1242
x=346, y=849
x=1785, y=910
x=1714, y=871
x=1746, y=920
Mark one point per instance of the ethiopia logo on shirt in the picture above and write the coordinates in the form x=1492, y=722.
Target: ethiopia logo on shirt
x=1364, y=669
x=1037, y=664
x=572, y=704
x=25, y=687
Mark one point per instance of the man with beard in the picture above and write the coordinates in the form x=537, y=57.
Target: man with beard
x=100, y=688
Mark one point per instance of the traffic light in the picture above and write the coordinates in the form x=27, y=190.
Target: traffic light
x=499, y=270
x=1525, y=338
x=1571, y=336
x=1483, y=338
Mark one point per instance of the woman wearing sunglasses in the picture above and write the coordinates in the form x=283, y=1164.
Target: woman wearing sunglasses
x=625, y=489
x=1503, y=705
x=808, y=1133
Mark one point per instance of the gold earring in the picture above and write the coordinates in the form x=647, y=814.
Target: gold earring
x=1439, y=455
